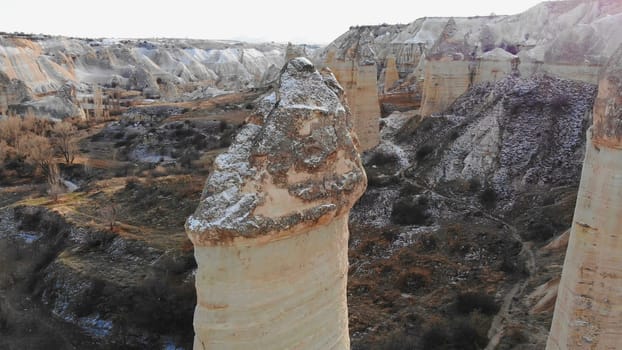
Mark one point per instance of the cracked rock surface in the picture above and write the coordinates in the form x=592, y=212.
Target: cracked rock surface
x=293, y=163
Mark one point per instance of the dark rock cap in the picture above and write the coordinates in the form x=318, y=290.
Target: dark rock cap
x=295, y=163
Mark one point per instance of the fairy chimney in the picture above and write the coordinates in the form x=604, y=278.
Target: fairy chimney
x=271, y=230
x=587, y=312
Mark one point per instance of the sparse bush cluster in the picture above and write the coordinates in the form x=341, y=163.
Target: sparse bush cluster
x=413, y=280
x=411, y=210
x=540, y=230
x=396, y=341
x=4, y=323
x=29, y=146
x=424, y=151
x=461, y=331
x=474, y=184
x=488, y=197
x=383, y=158
x=457, y=332
x=513, y=265
x=559, y=102
x=382, y=168
x=184, y=141
x=469, y=302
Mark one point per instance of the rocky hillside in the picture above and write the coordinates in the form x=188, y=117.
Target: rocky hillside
x=432, y=61
x=446, y=242
x=57, y=76
x=454, y=244
x=64, y=285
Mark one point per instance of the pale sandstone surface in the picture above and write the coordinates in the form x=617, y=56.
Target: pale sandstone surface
x=270, y=232
x=359, y=80
x=391, y=75
x=587, y=313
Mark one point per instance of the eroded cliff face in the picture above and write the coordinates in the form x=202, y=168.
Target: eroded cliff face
x=270, y=232
x=33, y=69
x=438, y=59
x=587, y=313
x=358, y=76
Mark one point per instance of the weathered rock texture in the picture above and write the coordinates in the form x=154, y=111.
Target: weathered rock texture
x=359, y=78
x=391, y=76
x=587, y=312
x=510, y=134
x=270, y=232
x=440, y=58
x=34, y=69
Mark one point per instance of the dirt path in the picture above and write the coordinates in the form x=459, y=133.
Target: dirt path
x=497, y=326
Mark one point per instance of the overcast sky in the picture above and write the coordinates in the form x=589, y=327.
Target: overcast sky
x=317, y=21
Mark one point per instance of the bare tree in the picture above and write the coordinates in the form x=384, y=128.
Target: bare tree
x=63, y=139
x=10, y=130
x=38, y=151
x=4, y=105
x=4, y=150
x=109, y=214
x=36, y=125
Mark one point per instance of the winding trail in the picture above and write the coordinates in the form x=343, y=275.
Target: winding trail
x=497, y=326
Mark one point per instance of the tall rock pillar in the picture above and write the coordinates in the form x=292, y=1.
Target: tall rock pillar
x=271, y=230
x=360, y=81
x=588, y=312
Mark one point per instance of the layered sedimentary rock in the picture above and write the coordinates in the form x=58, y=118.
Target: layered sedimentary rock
x=174, y=69
x=587, y=313
x=359, y=78
x=449, y=76
x=439, y=57
x=391, y=75
x=270, y=232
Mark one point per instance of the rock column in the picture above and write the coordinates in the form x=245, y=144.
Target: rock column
x=270, y=232
x=361, y=85
x=588, y=312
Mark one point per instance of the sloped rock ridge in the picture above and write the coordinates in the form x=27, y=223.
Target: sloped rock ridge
x=512, y=134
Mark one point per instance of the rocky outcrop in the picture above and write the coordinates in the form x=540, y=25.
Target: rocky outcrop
x=12, y=91
x=511, y=134
x=158, y=68
x=270, y=232
x=359, y=77
x=447, y=77
x=143, y=298
x=513, y=149
x=587, y=313
x=440, y=58
x=391, y=75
